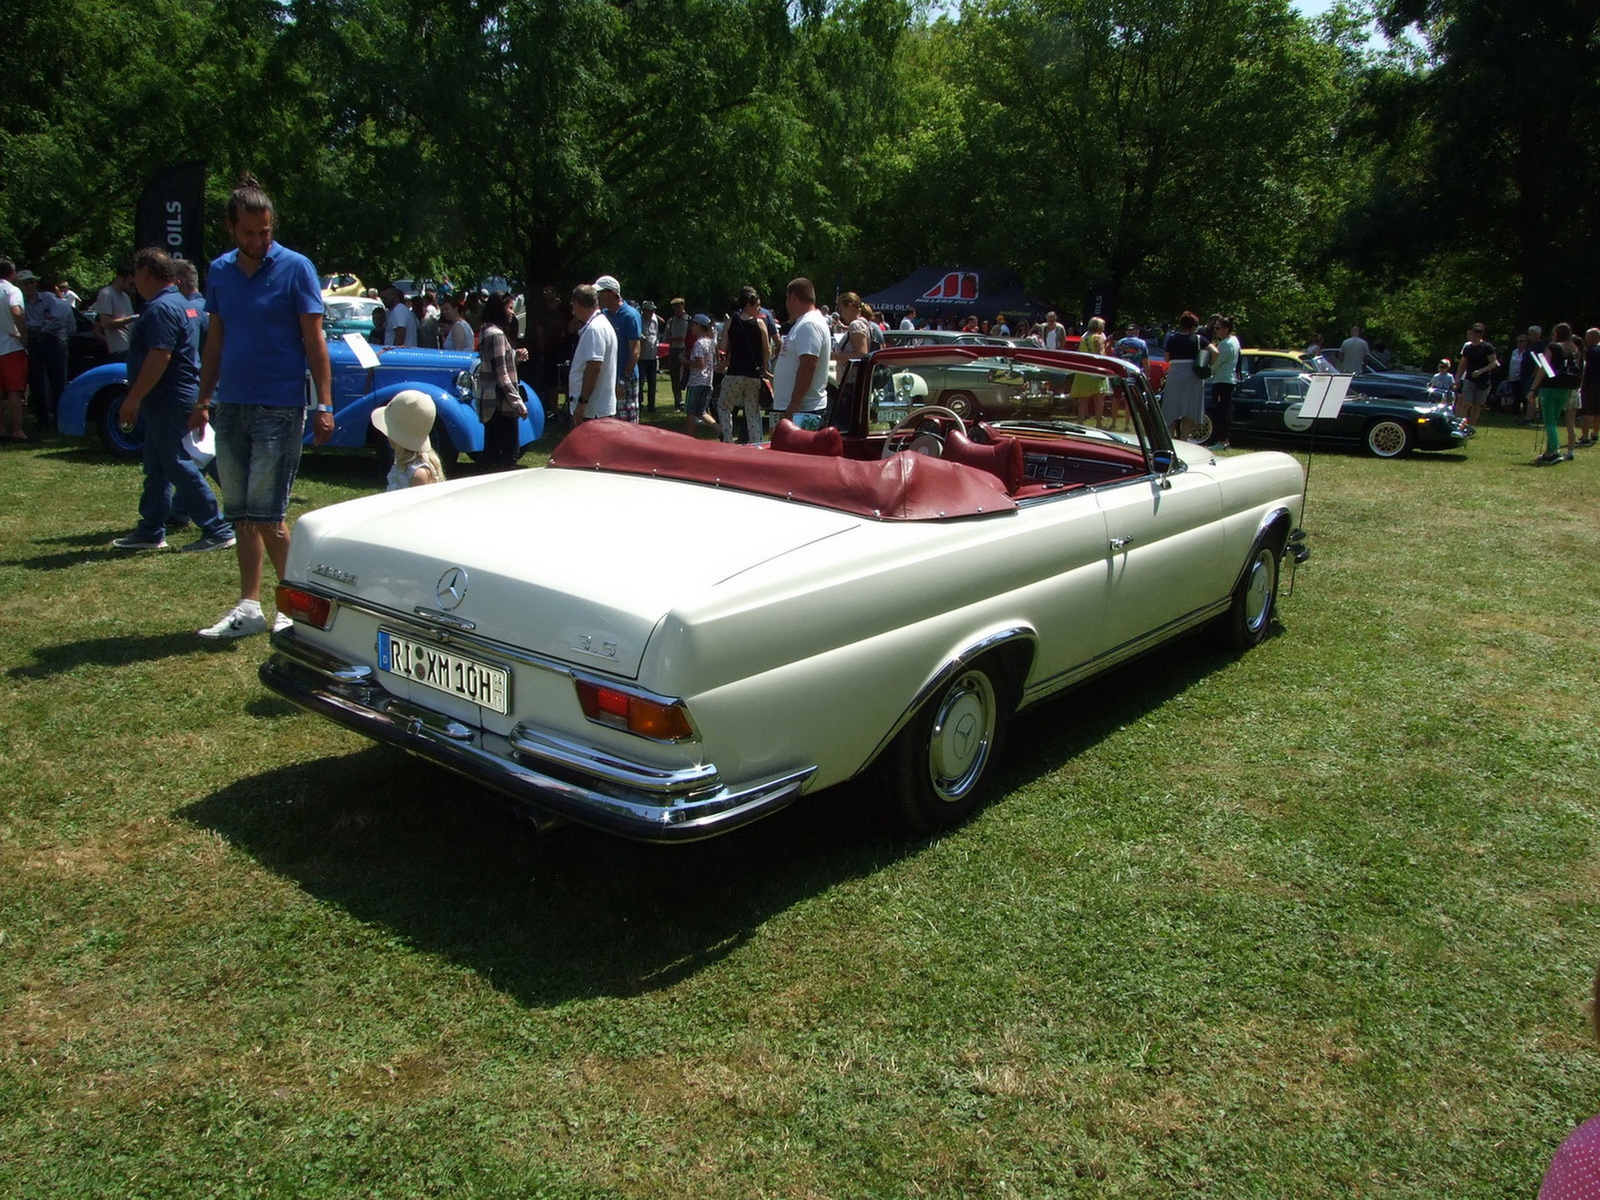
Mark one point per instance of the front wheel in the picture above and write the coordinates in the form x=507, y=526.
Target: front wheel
x=449, y=456
x=1388, y=439
x=1254, y=599
x=107, y=421
x=939, y=764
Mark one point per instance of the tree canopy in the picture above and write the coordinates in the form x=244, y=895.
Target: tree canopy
x=1208, y=154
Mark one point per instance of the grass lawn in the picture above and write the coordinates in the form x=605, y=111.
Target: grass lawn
x=1317, y=921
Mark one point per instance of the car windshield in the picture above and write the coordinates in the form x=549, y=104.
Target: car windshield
x=1007, y=393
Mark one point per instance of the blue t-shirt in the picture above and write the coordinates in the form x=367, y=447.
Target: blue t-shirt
x=263, y=357
x=629, y=329
x=169, y=322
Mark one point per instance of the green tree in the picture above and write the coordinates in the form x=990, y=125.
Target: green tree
x=1178, y=153
x=1499, y=202
x=99, y=95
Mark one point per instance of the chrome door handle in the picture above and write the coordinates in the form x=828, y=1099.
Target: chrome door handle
x=1120, y=543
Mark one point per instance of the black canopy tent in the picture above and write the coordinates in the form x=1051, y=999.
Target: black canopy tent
x=954, y=292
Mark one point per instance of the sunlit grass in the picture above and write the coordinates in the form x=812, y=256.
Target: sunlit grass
x=1317, y=921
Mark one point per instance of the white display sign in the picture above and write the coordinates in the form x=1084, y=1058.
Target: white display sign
x=1324, y=396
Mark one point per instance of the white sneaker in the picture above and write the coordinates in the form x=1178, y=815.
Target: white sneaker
x=281, y=622
x=237, y=624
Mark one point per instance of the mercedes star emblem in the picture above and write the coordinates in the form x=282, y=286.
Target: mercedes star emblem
x=452, y=589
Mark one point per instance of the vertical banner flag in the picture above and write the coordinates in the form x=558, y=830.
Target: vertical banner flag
x=169, y=213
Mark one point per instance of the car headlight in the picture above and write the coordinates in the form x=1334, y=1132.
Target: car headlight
x=465, y=382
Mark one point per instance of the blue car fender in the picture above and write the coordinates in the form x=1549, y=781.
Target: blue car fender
x=73, y=410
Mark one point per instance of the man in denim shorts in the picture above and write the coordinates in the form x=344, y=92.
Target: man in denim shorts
x=265, y=303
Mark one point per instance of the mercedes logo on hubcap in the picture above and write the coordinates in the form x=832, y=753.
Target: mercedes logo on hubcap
x=452, y=589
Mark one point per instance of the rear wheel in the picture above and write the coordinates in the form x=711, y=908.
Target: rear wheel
x=1250, y=615
x=939, y=764
x=108, y=424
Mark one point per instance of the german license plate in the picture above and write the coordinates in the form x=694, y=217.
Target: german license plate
x=444, y=671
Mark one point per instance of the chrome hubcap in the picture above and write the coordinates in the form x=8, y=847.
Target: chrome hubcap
x=962, y=736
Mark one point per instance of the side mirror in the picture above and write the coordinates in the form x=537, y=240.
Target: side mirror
x=1163, y=461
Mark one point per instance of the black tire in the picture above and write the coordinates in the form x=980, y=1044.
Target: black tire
x=938, y=766
x=1250, y=615
x=107, y=410
x=449, y=456
x=1388, y=439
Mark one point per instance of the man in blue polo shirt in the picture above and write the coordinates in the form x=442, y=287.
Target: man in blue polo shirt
x=265, y=304
x=624, y=318
x=164, y=369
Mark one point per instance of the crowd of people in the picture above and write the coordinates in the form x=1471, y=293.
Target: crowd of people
x=257, y=336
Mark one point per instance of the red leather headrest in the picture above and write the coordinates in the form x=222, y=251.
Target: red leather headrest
x=791, y=439
x=1002, y=460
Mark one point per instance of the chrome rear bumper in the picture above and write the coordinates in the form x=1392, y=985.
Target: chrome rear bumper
x=554, y=777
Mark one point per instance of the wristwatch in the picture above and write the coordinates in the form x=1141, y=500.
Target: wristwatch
x=327, y=408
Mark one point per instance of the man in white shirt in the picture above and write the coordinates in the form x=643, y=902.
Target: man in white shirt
x=114, y=317
x=1054, y=332
x=800, y=381
x=592, y=378
x=13, y=351
x=909, y=321
x=1353, y=352
x=401, y=328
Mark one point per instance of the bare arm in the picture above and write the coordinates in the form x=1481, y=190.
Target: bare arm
x=591, y=380
x=316, y=347
x=804, y=370
x=155, y=366
x=210, y=368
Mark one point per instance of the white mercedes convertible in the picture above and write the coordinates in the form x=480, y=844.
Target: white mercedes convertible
x=667, y=638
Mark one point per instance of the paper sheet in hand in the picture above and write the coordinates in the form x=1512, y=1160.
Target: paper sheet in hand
x=364, y=352
x=1324, y=396
x=201, y=448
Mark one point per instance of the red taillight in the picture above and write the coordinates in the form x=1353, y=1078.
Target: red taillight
x=637, y=714
x=303, y=606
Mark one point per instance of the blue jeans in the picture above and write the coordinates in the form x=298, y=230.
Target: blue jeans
x=258, y=453
x=168, y=469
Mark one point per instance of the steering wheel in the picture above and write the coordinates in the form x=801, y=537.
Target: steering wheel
x=926, y=439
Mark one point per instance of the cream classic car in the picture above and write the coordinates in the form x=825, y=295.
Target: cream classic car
x=667, y=638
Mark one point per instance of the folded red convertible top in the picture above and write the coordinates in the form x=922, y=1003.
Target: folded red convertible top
x=902, y=487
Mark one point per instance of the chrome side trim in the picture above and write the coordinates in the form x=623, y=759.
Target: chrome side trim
x=552, y=777
x=1045, y=688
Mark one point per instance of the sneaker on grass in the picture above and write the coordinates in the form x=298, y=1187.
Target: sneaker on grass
x=141, y=541
x=282, y=621
x=209, y=541
x=245, y=619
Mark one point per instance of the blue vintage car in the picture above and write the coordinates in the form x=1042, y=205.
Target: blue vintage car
x=91, y=401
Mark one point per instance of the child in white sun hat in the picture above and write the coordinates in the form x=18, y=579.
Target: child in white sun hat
x=406, y=421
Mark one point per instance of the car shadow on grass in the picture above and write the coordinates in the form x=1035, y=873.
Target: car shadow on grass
x=574, y=914
x=546, y=918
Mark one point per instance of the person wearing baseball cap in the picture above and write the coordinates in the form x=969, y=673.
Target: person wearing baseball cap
x=649, y=348
x=625, y=322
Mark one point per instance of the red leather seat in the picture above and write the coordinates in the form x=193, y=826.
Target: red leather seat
x=1002, y=460
x=791, y=439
